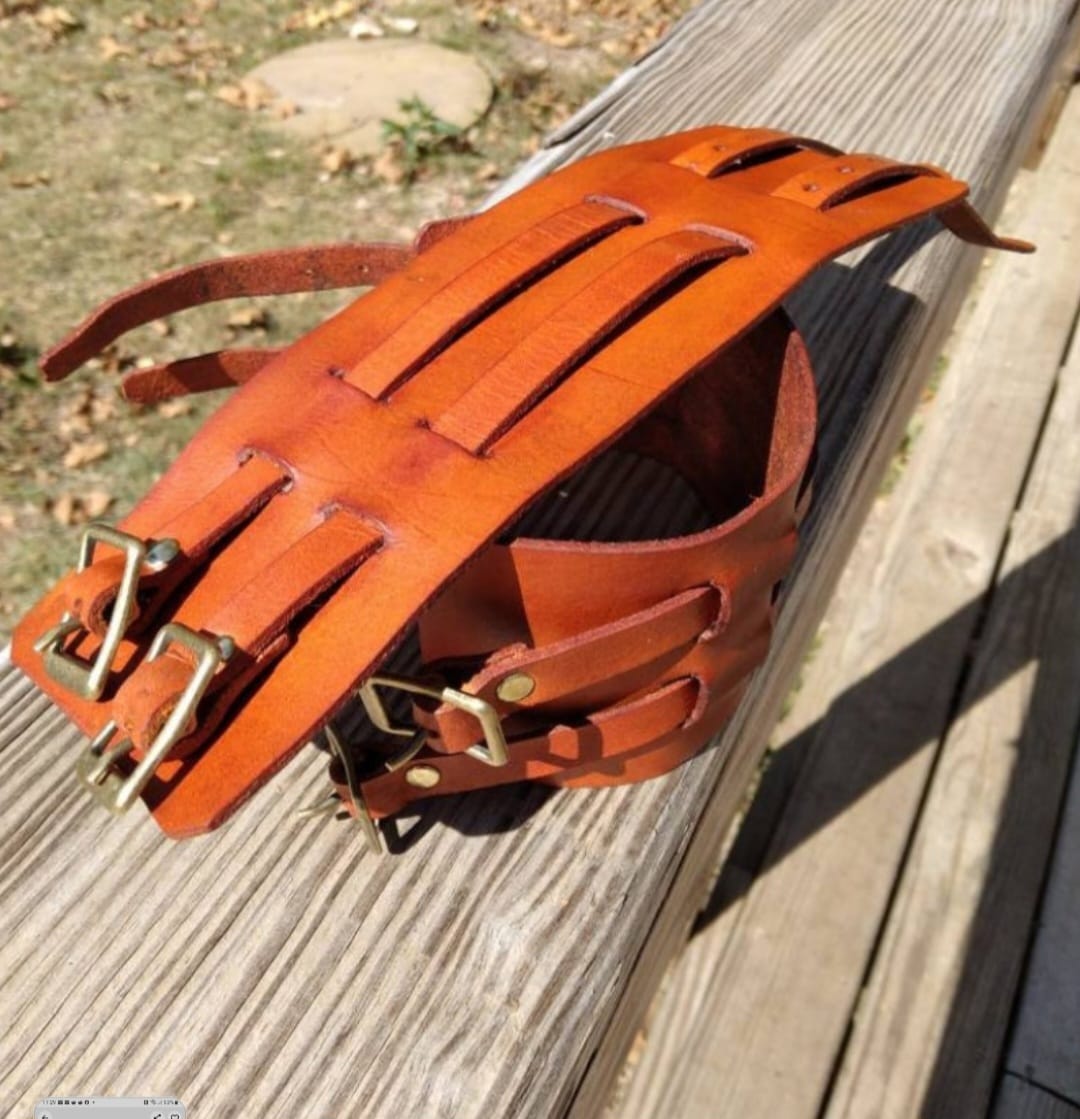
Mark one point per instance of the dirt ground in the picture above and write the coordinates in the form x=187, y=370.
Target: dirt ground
x=129, y=145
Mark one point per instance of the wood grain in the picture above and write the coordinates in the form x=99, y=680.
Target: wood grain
x=785, y=964
x=1020, y=1100
x=1045, y=1045
x=933, y=1019
x=498, y=964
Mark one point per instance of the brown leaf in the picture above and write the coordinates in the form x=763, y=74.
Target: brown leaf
x=111, y=48
x=250, y=318
x=387, y=166
x=57, y=21
x=33, y=179
x=63, y=509
x=282, y=110
x=250, y=94
x=184, y=201
x=170, y=409
x=314, y=16
x=141, y=21
x=95, y=503
x=336, y=159
x=7, y=102
x=168, y=56
x=81, y=454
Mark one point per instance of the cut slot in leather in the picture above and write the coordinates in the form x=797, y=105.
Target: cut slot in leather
x=481, y=290
x=611, y=304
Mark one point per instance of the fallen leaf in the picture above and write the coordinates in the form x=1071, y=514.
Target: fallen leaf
x=184, y=201
x=250, y=318
x=168, y=56
x=170, y=409
x=141, y=21
x=82, y=454
x=315, y=16
x=57, y=21
x=111, y=48
x=63, y=509
x=282, y=110
x=336, y=159
x=388, y=167
x=33, y=179
x=250, y=94
x=401, y=25
x=365, y=28
x=102, y=408
x=7, y=102
x=95, y=503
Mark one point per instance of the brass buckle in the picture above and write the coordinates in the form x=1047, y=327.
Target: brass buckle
x=493, y=752
x=88, y=680
x=95, y=765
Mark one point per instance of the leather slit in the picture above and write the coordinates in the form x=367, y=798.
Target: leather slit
x=460, y=423
x=378, y=373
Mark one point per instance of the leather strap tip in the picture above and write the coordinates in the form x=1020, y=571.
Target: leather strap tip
x=55, y=364
x=965, y=221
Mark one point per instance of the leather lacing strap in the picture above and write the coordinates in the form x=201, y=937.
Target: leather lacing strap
x=90, y=593
x=542, y=358
x=601, y=741
x=476, y=291
x=277, y=272
x=256, y=618
x=585, y=672
x=835, y=181
x=734, y=146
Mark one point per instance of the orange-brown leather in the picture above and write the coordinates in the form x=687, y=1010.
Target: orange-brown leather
x=366, y=478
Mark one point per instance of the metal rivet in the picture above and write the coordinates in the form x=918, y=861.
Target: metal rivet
x=423, y=776
x=161, y=553
x=516, y=687
x=811, y=186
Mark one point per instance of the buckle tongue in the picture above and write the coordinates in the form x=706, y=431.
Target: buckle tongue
x=95, y=765
x=88, y=680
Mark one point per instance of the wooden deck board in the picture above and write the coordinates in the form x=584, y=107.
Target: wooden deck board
x=1045, y=1046
x=498, y=965
x=1021, y=1100
x=756, y=1014
x=931, y=1026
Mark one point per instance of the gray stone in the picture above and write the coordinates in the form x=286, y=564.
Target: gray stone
x=343, y=89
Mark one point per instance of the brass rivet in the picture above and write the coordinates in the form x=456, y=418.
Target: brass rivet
x=516, y=687
x=423, y=776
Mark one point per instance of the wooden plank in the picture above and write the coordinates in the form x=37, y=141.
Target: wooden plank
x=477, y=971
x=1020, y=1100
x=1045, y=1045
x=932, y=1022
x=784, y=966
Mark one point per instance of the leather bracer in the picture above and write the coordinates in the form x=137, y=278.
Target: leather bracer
x=364, y=484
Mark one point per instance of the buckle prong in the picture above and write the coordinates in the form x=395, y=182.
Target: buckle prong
x=333, y=801
x=95, y=765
